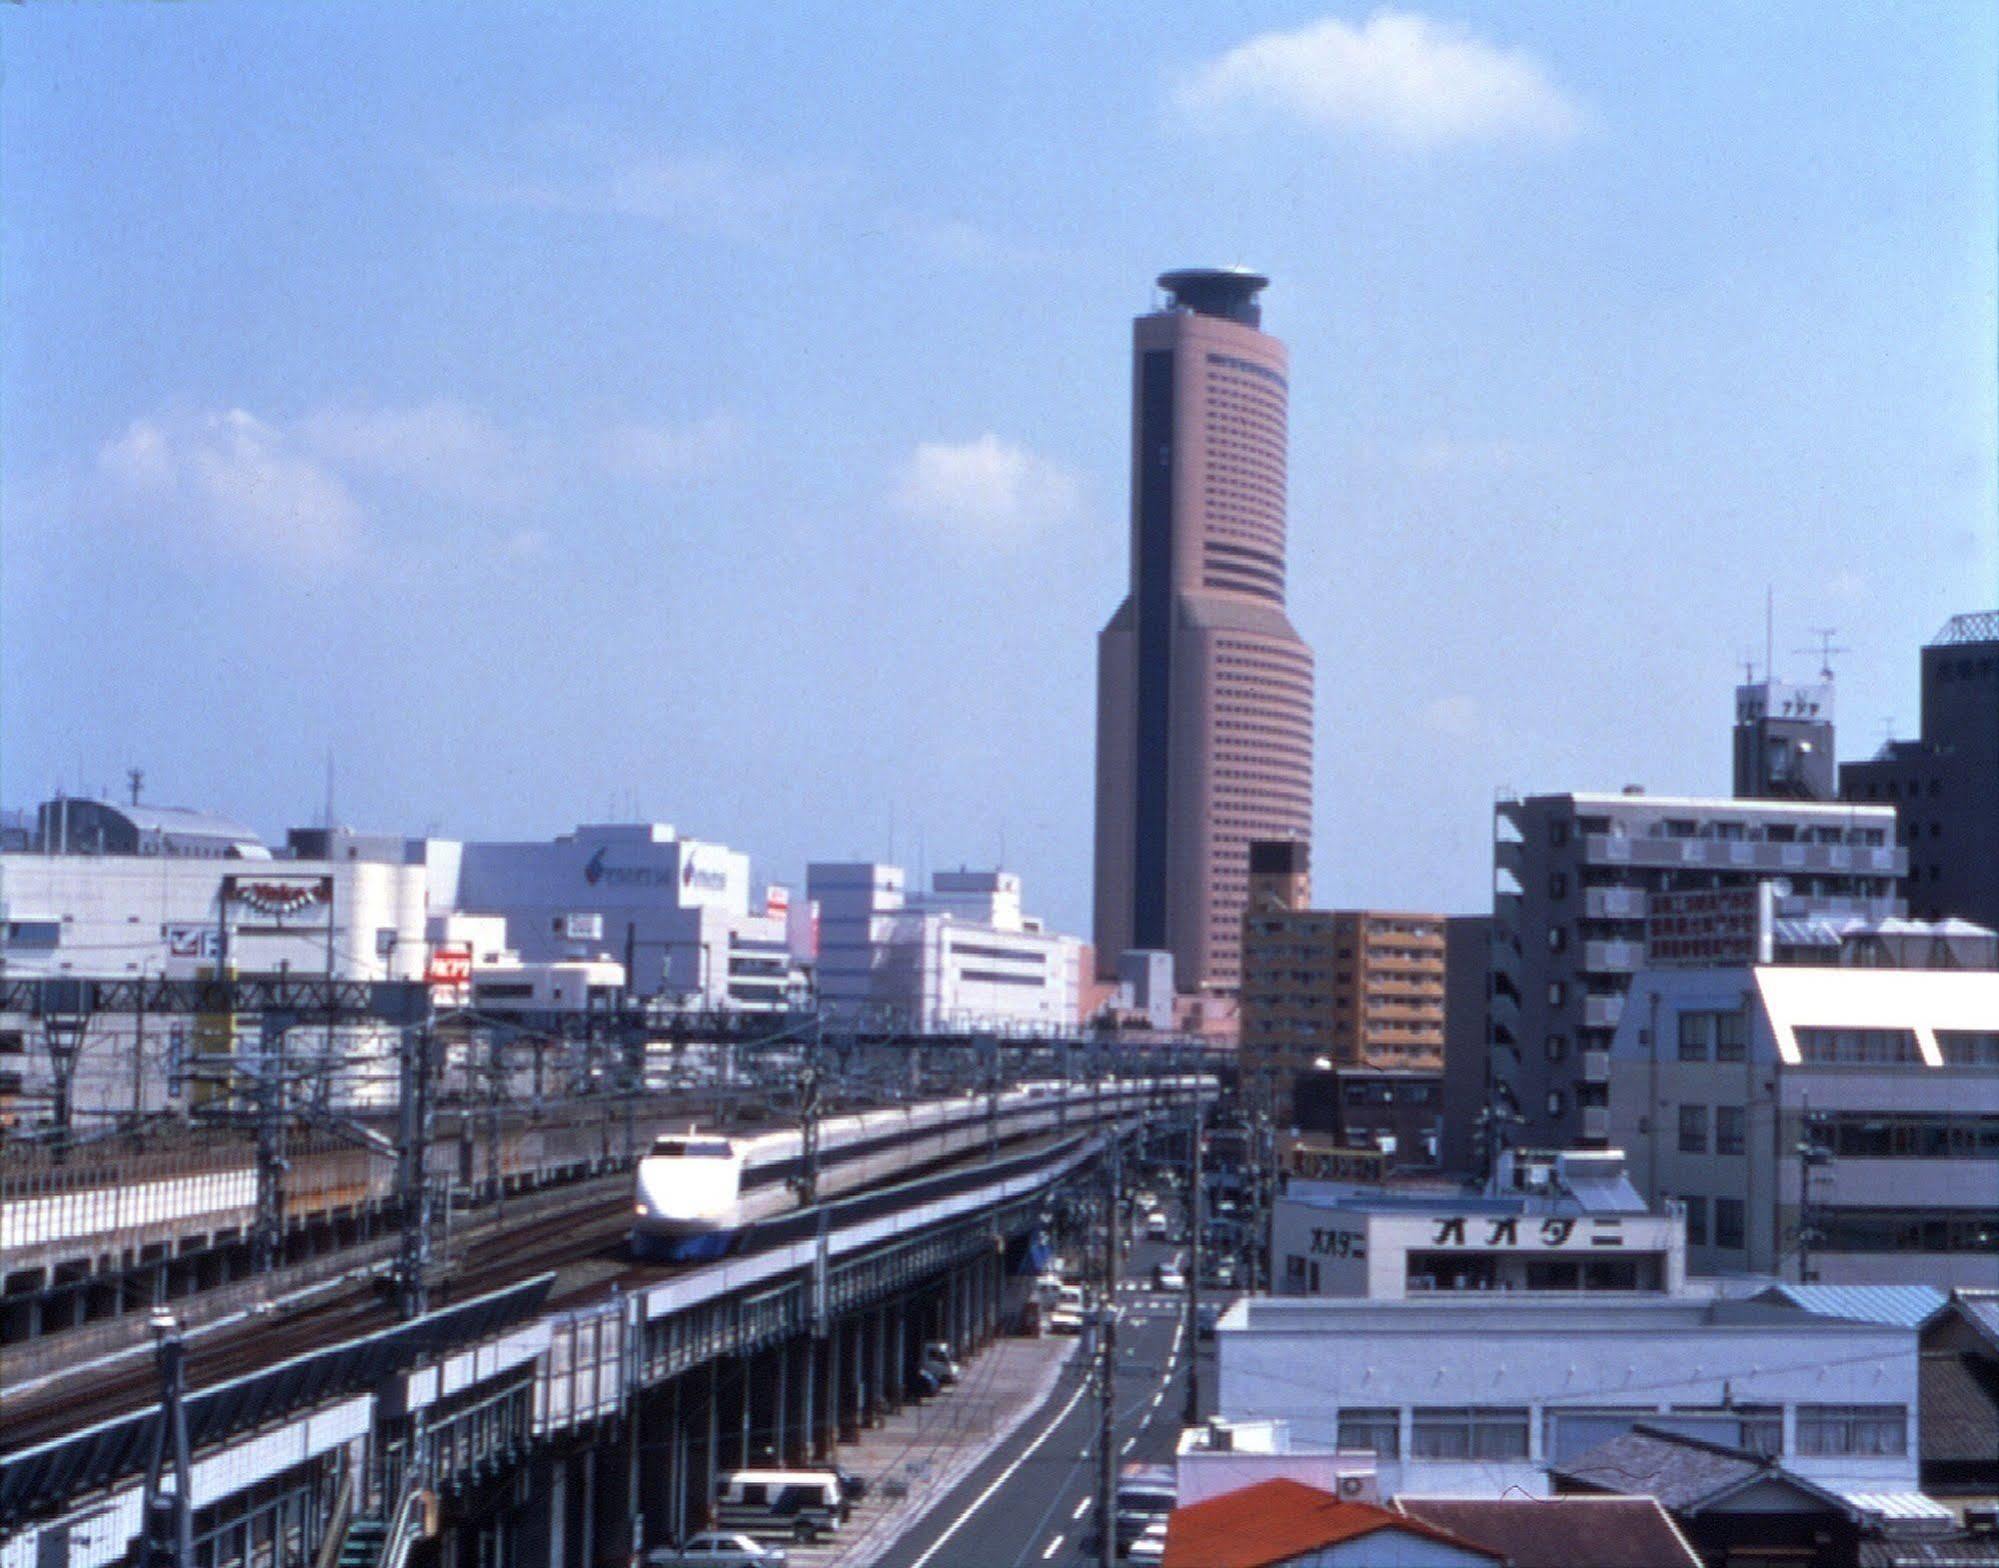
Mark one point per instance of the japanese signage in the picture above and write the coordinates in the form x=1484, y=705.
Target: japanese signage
x=286, y=902
x=1483, y=1231
x=1715, y=929
x=450, y=964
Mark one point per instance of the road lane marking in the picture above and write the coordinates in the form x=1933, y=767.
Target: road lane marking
x=1129, y=1443
x=1053, y=1547
x=1003, y=1477
x=1081, y=1508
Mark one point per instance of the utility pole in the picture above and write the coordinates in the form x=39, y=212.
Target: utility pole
x=167, y=1513
x=808, y=1111
x=1813, y=1156
x=267, y=1239
x=1107, y=1554
x=412, y=1173
x=1196, y=1220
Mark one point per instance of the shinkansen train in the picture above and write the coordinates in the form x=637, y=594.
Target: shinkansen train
x=697, y=1191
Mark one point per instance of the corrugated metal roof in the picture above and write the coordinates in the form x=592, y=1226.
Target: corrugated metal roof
x=1899, y=1306
x=1900, y=1505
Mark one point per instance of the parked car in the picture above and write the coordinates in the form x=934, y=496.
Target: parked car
x=1151, y=1546
x=853, y=1487
x=1156, y=1225
x=717, y=1549
x=938, y=1363
x=1170, y=1277
x=1206, y=1319
x=797, y=1505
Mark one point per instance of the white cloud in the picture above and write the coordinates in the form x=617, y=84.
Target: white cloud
x=1398, y=76
x=1456, y=716
x=986, y=488
x=664, y=454
x=304, y=494
x=703, y=192
x=441, y=447
x=237, y=483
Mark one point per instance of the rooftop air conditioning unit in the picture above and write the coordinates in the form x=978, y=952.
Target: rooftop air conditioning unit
x=1359, y=1488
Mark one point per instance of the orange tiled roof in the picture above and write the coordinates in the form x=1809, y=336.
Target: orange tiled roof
x=1274, y=1521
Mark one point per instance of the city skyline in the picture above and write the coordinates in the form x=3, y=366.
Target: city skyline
x=312, y=416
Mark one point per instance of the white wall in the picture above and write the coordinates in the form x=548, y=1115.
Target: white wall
x=1300, y=1361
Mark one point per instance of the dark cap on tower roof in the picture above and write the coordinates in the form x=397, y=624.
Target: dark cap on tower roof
x=1228, y=292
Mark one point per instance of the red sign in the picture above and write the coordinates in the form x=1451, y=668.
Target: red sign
x=451, y=964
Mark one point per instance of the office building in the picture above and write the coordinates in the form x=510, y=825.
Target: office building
x=676, y=913
x=1467, y=982
x=1784, y=741
x=962, y=956
x=1347, y=987
x=1835, y=1123
x=1204, y=691
x=1572, y=877
x=1945, y=786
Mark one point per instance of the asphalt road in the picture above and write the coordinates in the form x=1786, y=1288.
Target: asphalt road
x=1032, y=1500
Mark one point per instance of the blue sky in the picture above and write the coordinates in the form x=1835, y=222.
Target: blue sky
x=720, y=412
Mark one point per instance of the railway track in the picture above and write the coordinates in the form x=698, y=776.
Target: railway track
x=567, y=1241
x=494, y=1259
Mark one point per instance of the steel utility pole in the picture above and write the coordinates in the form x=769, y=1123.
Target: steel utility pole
x=1107, y=1554
x=1196, y=1219
x=167, y=1511
x=267, y=1237
x=413, y=1175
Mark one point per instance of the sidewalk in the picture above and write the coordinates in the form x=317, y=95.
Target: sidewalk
x=915, y=1457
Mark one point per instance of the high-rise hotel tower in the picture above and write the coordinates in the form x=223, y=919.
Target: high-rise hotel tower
x=1204, y=692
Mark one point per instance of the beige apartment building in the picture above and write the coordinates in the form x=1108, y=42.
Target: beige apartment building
x=1351, y=987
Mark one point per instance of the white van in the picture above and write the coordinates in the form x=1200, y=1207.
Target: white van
x=1067, y=1318
x=793, y=1505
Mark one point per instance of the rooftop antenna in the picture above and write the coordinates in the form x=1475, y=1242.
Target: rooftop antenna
x=1826, y=649
x=135, y=780
x=1749, y=667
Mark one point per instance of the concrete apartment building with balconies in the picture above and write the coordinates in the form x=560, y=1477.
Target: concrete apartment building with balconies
x=1572, y=873
x=1357, y=987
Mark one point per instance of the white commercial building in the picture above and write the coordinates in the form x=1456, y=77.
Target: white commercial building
x=1473, y=1395
x=961, y=956
x=1575, y=1224
x=675, y=912
x=1840, y=1119
x=182, y=902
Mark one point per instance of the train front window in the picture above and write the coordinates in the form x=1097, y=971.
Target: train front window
x=693, y=1148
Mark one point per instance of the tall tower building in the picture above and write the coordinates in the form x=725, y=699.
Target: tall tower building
x=1204, y=692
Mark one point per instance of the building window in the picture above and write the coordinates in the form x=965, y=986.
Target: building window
x=1479, y=1432
x=1696, y=1032
x=1558, y=885
x=1728, y=1223
x=1859, y=1047
x=1696, y=1221
x=1731, y=1036
x=1558, y=1047
x=1853, y=1429
x=1728, y=1124
x=1558, y=938
x=1693, y=1129
x=1378, y=1432
x=1556, y=1103
x=1558, y=993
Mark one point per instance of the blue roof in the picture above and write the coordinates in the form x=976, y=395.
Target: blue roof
x=1902, y=1306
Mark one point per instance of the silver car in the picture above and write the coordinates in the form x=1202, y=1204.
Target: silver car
x=717, y=1549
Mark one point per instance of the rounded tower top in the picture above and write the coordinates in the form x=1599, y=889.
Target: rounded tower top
x=1227, y=292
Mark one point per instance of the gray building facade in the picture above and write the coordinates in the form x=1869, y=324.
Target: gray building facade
x=1946, y=784
x=1572, y=874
